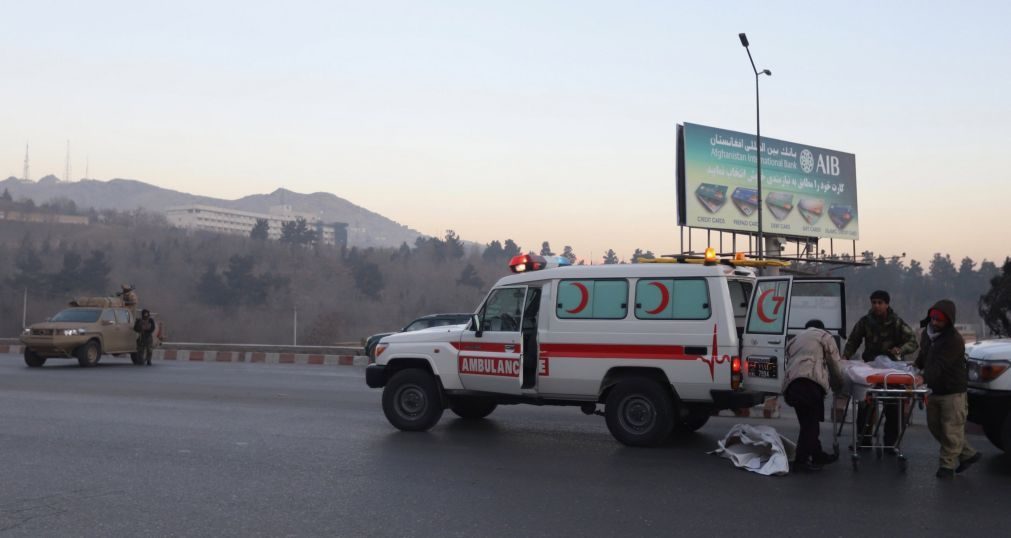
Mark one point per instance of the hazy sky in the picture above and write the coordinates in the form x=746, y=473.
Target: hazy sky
x=526, y=120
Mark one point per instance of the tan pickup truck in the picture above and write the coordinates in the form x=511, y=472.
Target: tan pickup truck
x=85, y=333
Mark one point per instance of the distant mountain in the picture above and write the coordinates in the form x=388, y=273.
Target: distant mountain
x=365, y=228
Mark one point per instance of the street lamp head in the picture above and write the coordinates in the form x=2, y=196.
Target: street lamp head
x=767, y=72
x=744, y=39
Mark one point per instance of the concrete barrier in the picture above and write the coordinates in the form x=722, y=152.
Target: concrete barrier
x=179, y=352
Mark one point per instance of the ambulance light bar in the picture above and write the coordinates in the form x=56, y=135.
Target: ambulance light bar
x=710, y=258
x=532, y=262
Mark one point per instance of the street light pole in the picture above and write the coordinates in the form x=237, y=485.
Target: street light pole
x=758, y=139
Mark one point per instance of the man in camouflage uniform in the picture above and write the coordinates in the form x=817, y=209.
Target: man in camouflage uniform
x=882, y=332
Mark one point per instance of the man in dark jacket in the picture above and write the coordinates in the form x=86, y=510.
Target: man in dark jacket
x=145, y=327
x=942, y=359
x=882, y=332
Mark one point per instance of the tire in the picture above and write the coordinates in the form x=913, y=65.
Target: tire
x=639, y=412
x=136, y=359
x=698, y=416
x=412, y=400
x=89, y=354
x=992, y=429
x=33, y=360
x=472, y=408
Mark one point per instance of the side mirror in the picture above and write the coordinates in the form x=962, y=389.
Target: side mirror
x=475, y=325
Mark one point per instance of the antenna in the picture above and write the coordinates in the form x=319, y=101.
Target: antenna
x=24, y=175
x=66, y=177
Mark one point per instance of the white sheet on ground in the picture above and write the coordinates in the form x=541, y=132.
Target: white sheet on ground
x=759, y=449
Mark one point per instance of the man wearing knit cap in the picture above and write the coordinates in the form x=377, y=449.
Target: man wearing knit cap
x=882, y=332
x=942, y=359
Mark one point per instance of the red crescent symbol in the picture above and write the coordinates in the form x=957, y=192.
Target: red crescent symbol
x=664, y=298
x=582, y=301
x=761, y=309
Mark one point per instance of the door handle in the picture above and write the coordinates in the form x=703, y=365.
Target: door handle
x=776, y=342
x=510, y=348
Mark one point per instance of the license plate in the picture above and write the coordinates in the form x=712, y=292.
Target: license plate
x=764, y=367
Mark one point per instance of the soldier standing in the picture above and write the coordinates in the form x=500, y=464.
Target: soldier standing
x=882, y=332
x=145, y=327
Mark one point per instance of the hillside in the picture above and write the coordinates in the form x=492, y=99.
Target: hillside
x=365, y=228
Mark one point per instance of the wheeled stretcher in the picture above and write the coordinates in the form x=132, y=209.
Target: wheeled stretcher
x=876, y=389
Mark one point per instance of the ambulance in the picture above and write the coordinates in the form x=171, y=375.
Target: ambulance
x=661, y=346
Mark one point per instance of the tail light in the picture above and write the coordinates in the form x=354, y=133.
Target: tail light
x=735, y=373
x=984, y=372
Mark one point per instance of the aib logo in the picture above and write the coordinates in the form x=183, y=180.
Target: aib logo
x=826, y=164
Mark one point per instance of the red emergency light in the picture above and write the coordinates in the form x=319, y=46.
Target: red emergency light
x=526, y=262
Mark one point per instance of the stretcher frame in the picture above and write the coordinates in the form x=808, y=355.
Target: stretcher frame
x=900, y=389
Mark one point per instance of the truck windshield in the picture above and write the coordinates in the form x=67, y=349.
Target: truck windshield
x=78, y=315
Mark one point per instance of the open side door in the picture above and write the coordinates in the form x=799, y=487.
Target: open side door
x=763, y=347
x=821, y=298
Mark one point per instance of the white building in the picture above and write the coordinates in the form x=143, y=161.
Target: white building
x=235, y=222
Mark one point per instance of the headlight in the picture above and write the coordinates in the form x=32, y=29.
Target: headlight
x=986, y=371
x=26, y=331
x=73, y=332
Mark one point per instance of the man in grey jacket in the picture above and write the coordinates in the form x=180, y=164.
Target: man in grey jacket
x=812, y=368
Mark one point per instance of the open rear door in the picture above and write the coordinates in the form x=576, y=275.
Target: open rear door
x=763, y=347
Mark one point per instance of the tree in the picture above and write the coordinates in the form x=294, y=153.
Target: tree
x=94, y=274
x=469, y=277
x=995, y=305
x=546, y=249
x=648, y=255
x=610, y=258
x=211, y=288
x=452, y=245
x=69, y=276
x=368, y=279
x=493, y=252
x=297, y=232
x=567, y=253
x=6, y=196
x=510, y=249
x=261, y=230
x=28, y=267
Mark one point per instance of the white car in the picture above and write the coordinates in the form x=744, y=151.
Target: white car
x=990, y=389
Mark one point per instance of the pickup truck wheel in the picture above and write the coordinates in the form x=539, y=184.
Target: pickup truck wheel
x=471, y=408
x=992, y=428
x=33, y=360
x=88, y=354
x=639, y=412
x=412, y=401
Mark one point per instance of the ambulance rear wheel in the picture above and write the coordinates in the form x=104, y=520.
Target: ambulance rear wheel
x=697, y=417
x=639, y=412
x=411, y=400
x=471, y=408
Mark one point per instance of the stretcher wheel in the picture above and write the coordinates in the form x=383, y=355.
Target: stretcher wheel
x=903, y=464
x=855, y=460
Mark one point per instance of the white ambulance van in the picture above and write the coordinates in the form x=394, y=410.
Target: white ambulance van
x=661, y=345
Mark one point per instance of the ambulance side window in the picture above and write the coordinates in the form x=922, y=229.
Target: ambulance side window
x=666, y=298
x=592, y=299
x=503, y=310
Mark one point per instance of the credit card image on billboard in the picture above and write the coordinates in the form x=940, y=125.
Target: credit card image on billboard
x=711, y=196
x=746, y=200
x=780, y=204
x=810, y=209
x=841, y=215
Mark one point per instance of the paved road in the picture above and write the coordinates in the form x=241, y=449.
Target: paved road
x=259, y=450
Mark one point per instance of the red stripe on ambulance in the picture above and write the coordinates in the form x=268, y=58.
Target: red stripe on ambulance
x=615, y=351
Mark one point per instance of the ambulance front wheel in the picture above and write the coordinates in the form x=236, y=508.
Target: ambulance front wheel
x=411, y=400
x=639, y=412
x=471, y=408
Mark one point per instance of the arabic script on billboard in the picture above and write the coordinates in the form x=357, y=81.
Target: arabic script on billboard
x=807, y=191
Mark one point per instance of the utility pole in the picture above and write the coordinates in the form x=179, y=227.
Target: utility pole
x=66, y=176
x=24, y=312
x=294, y=330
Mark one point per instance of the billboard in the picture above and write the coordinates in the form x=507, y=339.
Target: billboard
x=807, y=191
